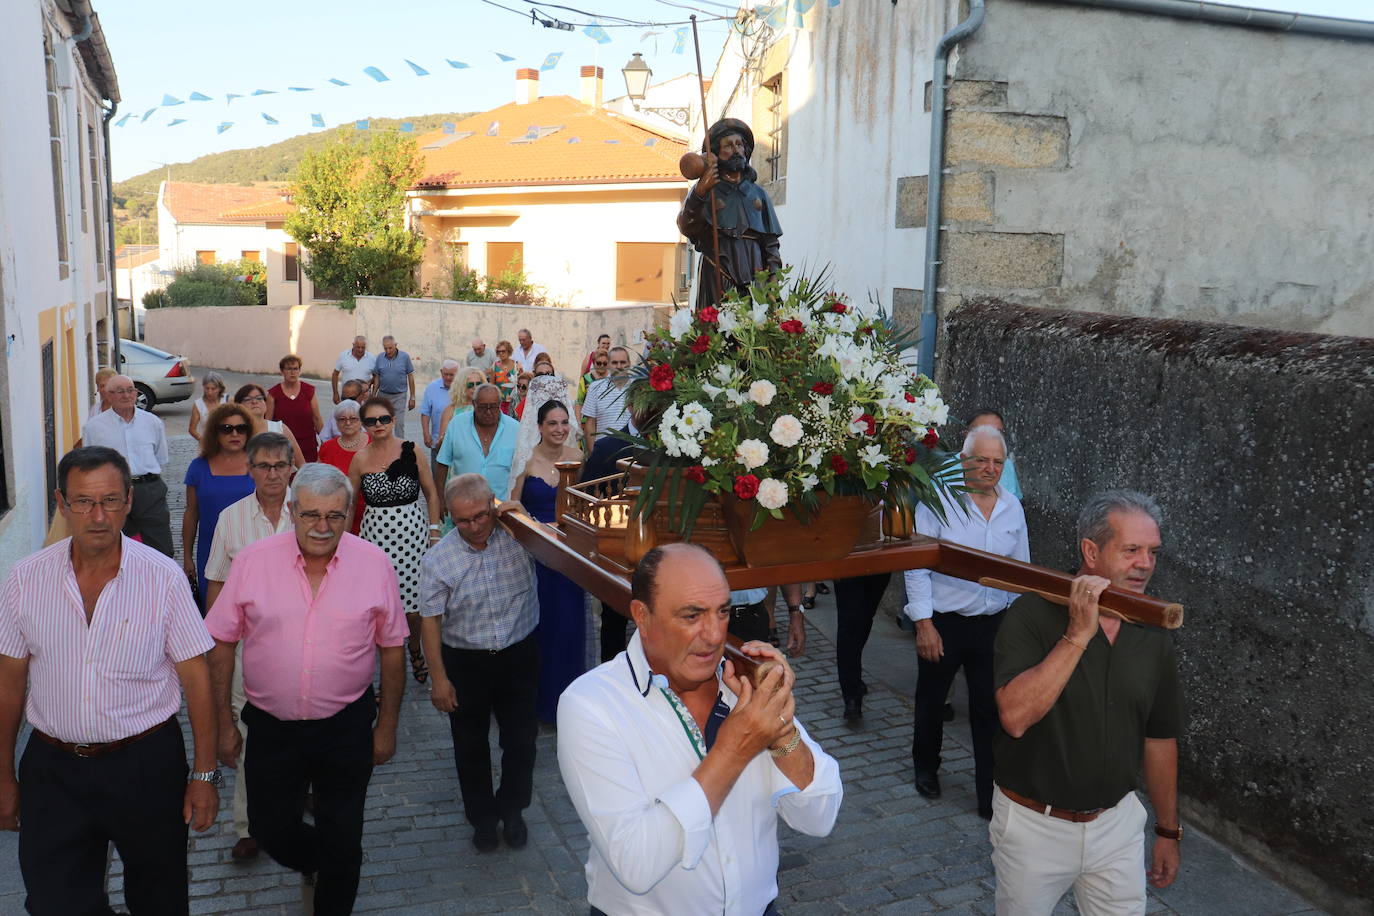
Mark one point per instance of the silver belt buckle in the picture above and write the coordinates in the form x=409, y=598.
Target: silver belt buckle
x=77, y=751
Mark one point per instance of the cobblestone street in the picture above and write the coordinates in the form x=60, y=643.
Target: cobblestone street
x=891, y=851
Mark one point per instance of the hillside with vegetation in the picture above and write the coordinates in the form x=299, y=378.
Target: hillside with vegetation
x=273, y=165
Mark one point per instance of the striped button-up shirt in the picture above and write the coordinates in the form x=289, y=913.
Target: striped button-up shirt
x=111, y=678
x=487, y=598
x=240, y=525
x=307, y=656
x=606, y=404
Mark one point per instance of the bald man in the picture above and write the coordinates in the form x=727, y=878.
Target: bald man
x=141, y=438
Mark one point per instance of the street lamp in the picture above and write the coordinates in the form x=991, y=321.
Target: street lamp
x=637, y=75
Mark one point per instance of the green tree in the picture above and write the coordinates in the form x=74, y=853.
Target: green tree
x=351, y=196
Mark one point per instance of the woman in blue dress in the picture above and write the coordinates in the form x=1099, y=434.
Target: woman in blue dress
x=214, y=482
x=562, y=630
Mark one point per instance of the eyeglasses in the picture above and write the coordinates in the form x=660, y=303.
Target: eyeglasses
x=474, y=520
x=385, y=420
x=313, y=517
x=503, y=353
x=254, y=399
x=280, y=467
x=472, y=384
x=230, y=429
x=348, y=419
x=84, y=505
x=486, y=406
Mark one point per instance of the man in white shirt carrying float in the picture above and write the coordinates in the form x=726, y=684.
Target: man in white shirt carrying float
x=957, y=621
x=680, y=769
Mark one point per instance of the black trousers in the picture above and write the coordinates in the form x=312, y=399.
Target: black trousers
x=968, y=644
x=614, y=630
x=74, y=807
x=503, y=684
x=856, y=601
x=149, y=516
x=333, y=757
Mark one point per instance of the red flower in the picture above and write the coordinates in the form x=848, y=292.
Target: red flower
x=868, y=421
x=793, y=326
x=838, y=464
x=661, y=377
x=823, y=388
x=838, y=307
x=746, y=486
x=910, y=398
x=868, y=330
x=696, y=474
x=701, y=344
x=910, y=456
x=708, y=314
x=931, y=439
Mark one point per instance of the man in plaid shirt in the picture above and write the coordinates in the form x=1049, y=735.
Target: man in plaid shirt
x=480, y=606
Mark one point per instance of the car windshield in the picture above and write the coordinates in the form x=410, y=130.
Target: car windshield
x=143, y=350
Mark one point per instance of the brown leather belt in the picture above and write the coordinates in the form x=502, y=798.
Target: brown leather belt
x=1064, y=814
x=99, y=750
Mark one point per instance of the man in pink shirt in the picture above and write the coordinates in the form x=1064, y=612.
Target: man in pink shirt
x=313, y=607
x=99, y=639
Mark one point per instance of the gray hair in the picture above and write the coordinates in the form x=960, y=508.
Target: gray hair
x=982, y=431
x=214, y=378
x=268, y=442
x=449, y=364
x=1094, y=522
x=388, y=337
x=468, y=488
x=345, y=406
x=483, y=387
x=320, y=480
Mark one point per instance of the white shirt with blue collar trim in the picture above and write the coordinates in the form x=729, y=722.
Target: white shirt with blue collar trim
x=627, y=762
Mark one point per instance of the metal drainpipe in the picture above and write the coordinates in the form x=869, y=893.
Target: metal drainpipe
x=110, y=225
x=935, y=183
x=1225, y=14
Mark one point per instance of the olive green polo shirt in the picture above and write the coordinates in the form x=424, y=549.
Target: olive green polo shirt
x=1086, y=752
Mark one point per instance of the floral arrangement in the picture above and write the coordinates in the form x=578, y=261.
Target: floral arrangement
x=778, y=396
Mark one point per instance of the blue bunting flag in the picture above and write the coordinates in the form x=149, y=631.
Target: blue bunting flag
x=337, y=82
x=505, y=57
x=170, y=100
x=147, y=114
x=268, y=118
x=419, y=71
x=362, y=125
x=596, y=33
x=231, y=96
x=198, y=97
x=449, y=127
x=551, y=61
x=175, y=121
x=301, y=88
x=264, y=92
x=457, y=64
x=407, y=127
x=317, y=120
x=376, y=74
x=223, y=126
x=121, y=121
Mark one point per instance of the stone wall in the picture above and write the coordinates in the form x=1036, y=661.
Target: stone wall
x=1259, y=446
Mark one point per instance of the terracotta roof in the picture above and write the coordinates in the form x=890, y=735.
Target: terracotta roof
x=206, y=203
x=127, y=256
x=553, y=140
x=270, y=210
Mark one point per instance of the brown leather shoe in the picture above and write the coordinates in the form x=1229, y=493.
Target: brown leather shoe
x=246, y=849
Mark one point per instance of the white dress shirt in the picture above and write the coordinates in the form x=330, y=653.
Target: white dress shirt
x=355, y=367
x=1004, y=534
x=627, y=763
x=526, y=360
x=142, y=440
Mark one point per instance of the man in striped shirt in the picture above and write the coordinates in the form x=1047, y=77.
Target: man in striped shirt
x=102, y=634
x=259, y=515
x=480, y=605
x=604, y=409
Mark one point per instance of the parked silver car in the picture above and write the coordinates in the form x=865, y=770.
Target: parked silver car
x=160, y=378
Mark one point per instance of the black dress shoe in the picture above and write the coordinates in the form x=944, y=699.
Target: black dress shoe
x=853, y=707
x=927, y=785
x=514, y=832
x=484, y=837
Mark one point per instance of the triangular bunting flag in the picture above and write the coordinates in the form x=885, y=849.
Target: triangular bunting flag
x=264, y=92
x=268, y=118
x=198, y=97
x=376, y=74
x=419, y=71
x=175, y=121
x=231, y=96
x=121, y=122
x=505, y=57
x=337, y=82
x=457, y=64
x=170, y=100
x=223, y=126
x=301, y=88
x=316, y=120
x=146, y=115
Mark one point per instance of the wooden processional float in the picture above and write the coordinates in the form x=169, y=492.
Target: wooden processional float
x=596, y=542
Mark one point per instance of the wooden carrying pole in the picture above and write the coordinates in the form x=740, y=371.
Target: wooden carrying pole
x=705, y=150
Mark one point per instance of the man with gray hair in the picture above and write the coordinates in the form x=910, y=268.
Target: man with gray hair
x=480, y=606
x=480, y=357
x=1089, y=705
x=393, y=376
x=313, y=607
x=432, y=403
x=956, y=620
x=355, y=363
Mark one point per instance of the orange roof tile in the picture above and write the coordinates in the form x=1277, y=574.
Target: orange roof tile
x=270, y=210
x=554, y=140
x=190, y=202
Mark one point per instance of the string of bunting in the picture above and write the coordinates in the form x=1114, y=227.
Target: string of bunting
x=774, y=15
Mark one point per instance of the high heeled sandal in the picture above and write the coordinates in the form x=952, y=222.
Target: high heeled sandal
x=419, y=669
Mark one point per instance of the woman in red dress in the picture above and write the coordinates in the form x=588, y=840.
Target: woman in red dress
x=340, y=450
x=293, y=403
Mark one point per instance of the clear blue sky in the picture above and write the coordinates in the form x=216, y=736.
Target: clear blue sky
x=176, y=48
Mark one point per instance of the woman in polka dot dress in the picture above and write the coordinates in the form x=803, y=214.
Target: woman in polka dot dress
x=389, y=479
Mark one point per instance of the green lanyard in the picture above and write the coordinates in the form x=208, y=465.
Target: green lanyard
x=689, y=725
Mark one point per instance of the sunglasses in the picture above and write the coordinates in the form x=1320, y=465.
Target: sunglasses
x=229, y=429
x=384, y=420
x=522, y=387
x=472, y=384
x=601, y=364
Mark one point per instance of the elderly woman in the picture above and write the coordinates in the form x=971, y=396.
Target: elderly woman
x=293, y=403
x=214, y=481
x=212, y=395
x=101, y=403
x=254, y=398
x=460, y=398
x=341, y=450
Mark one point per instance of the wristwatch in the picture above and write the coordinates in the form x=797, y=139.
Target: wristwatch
x=1174, y=834
x=213, y=777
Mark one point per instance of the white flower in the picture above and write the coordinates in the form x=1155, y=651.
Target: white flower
x=872, y=455
x=786, y=431
x=751, y=453
x=708, y=461
x=762, y=392
x=814, y=459
x=712, y=391
x=822, y=402
x=772, y=493
x=690, y=448
x=939, y=415
x=696, y=420
x=734, y=397
x=856, y=425
x=725, y=373
x=728, y=323
x=809, y=482
x=759, y=313
x=671, y=444
x=680, y=323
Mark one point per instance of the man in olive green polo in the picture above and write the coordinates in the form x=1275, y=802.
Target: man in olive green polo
x=1086, y=703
